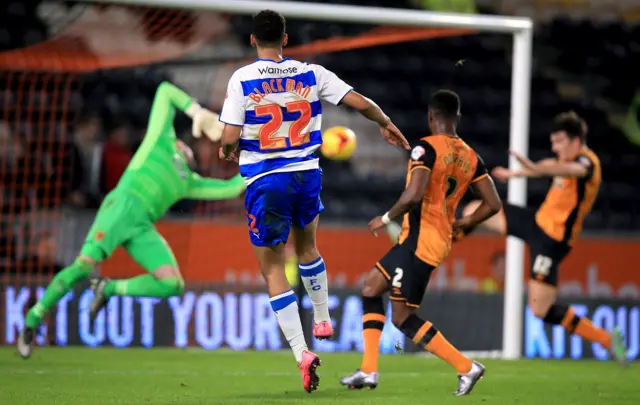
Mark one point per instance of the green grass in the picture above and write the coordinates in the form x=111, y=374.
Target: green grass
x=81, y=376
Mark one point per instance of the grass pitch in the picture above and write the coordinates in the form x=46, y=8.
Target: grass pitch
x=82, y=376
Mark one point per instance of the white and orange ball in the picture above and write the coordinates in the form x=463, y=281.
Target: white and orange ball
x=338, y=143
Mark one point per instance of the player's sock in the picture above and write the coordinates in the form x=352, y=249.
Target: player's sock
x=314, y=278
x=285, y=306
x=145, y=286
x=373, y=320
x=426, y=335
x=564, y=315
x=61, y=284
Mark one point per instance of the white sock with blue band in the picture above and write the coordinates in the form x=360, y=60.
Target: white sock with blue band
x=314, y=278
x=285, y=307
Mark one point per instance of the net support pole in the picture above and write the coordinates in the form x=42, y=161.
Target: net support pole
x=512, y=327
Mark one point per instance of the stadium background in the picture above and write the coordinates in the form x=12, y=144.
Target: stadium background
x=76, y=85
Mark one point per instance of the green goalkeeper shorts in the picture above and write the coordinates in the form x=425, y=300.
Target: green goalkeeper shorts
x=123, y=220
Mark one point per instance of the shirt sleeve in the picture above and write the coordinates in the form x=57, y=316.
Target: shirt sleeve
x=202, y=188
x=586, y=162
x=233, y=109
x=330, y=87
x=423, y=156
x=481, y=170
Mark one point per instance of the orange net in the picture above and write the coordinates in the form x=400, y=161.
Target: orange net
x=42, y=96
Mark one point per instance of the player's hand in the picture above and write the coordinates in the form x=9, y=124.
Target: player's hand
x=501, y=174
x=206, y=122
x=461, y=227
x=232, y=157
x=392, y=135
x=376, y=225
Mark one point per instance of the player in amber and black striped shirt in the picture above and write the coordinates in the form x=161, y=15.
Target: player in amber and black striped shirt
x=441, y=169
x=551, y=230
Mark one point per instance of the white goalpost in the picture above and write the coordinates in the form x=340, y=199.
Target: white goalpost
x=522, y=31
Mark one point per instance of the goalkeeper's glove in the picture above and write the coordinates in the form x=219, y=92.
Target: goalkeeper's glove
x=205, y=121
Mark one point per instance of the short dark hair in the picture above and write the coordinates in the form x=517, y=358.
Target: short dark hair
x=572, y=124
x=445, y=103
x=268, y=28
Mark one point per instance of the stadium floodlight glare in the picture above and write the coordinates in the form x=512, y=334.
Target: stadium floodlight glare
x=522, y=31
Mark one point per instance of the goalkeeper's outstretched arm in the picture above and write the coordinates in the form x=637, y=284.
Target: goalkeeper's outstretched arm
x=203, y=188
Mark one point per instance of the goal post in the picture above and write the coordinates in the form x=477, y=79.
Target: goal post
x=522, y=31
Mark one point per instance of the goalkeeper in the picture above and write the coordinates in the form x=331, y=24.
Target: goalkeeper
x=159, y=175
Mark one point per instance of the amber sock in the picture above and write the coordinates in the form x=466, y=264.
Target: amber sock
x=563, y=315
x=373, y=320
x=426, y=335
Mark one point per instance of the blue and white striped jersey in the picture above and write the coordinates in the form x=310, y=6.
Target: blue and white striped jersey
x=278, y=106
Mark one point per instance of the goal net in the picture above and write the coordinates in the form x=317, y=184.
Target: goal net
x=75, y=93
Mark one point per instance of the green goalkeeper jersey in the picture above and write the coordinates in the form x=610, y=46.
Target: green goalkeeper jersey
x=159, y=173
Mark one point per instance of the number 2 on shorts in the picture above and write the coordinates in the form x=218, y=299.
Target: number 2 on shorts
x=270, y=128
x=397, y=278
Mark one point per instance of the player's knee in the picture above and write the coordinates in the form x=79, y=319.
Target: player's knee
x=374, y=284
x=173, y=285
x=171, y=279
x=86, y=265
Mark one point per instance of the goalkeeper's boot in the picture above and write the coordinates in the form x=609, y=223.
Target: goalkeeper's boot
x=310, y=379
x=100, y=300
x=360, y=380
x=468, y=381
x=322, y=330
x=25, y=342
x=617, y=350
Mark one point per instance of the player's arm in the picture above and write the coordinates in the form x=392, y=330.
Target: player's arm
x=423, y=157
x=490, y=203
x=232, y=115
x=503, y=174
x=203, y=188
x=334, y=90
x=580, y=167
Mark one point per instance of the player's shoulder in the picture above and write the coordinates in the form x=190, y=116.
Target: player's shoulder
x=588, y=157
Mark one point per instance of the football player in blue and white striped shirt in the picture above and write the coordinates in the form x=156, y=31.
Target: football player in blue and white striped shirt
x=273, y=115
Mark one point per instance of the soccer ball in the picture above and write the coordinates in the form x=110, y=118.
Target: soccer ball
x=338, y=143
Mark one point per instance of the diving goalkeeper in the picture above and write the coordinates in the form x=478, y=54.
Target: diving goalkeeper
x=159, y=175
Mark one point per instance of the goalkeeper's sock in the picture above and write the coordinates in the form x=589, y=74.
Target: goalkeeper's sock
x=372, y=324
x=61, y=284
x=564, y=315
x=145, y=286
x=314, y=278
x=285, y=306
x=426, y=335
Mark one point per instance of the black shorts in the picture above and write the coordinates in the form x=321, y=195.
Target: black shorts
x=546, y=253
x=407, y=276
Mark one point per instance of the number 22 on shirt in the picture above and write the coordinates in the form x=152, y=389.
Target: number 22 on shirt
x=268, y=134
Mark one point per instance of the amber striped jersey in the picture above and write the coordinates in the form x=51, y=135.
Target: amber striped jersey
x=453, y=166
x=569, y=200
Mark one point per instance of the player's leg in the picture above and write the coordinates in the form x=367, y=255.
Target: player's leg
x=152, y=252
x=312, y=267
x=542, y=301
x=103, y=237
x=373, y=320
x=497, y=223
x=408, y=285
x=269, y=208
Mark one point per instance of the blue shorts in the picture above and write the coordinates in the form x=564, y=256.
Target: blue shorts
x=278, y=200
